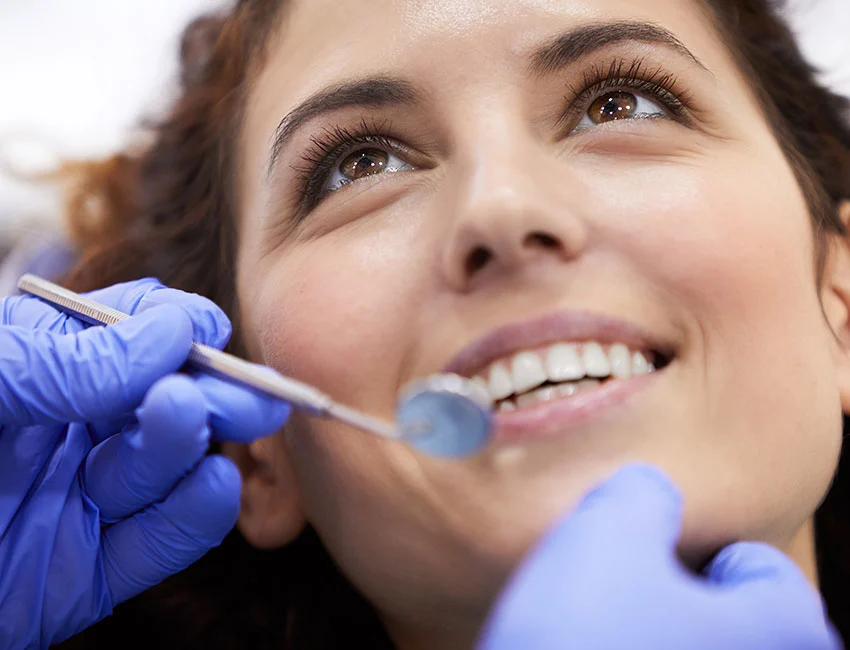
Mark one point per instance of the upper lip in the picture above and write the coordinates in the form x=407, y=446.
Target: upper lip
x=560, y=326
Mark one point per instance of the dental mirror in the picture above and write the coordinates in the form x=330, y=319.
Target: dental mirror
x=445, y=415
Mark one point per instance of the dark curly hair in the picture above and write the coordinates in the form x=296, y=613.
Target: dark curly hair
x=168, y=211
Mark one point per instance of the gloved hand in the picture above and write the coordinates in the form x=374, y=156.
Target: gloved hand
x=99, y=499
x=607, y=577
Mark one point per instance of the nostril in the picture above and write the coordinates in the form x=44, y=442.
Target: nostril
x=477, y=260
x=542, y=240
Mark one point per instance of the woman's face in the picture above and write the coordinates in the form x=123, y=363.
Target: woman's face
x=527, y=173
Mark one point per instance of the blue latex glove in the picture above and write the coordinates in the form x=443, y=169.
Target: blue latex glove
x=100, y=499
x=607, y=577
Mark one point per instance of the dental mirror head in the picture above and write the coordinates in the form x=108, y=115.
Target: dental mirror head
x=445, y=415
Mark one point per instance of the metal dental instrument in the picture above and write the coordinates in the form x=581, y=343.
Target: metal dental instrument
x=442, y=415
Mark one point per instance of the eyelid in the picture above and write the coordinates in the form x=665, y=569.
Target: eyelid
x=654, y=83
x=332, y=145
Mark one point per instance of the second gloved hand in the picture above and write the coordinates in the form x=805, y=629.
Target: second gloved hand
x=101, y=497
x=607, y=576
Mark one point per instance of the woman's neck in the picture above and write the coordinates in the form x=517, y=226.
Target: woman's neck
x=453, y=634
x=801, y=549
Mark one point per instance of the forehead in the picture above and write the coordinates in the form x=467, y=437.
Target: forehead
x=450, y=48
x=440, y=43
x=322, y=40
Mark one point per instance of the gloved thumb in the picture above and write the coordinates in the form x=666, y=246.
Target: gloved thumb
x=769, y=585
x=748, y=562
x=631, y=522
x=97, y=374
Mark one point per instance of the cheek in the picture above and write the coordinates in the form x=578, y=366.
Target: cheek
x=728, y=246
x=332, y=311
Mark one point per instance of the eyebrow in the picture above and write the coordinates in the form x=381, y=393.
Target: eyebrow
x=383, y=91
x=567, y=48
x=372, y=92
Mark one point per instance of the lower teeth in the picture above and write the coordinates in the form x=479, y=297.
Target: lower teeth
x=547, y=394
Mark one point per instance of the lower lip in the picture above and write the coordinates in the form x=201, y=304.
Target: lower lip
x=548, y=419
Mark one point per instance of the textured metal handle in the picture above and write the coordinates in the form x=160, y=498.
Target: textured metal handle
x=301, y=396
x=72, y=303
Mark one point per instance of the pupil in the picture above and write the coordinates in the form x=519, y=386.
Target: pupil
x=611, y=108
x=614, y=106
x=364, y=163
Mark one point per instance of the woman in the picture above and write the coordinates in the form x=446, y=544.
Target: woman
x=374, y=192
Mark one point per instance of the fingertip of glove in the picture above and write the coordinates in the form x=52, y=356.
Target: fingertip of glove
x=125, y=296
x=270, y=414
x=162, y=318
x=222, y=490
x=643, y=480
x=224, y=474
x=239, y=414
x=747, y=561
x=173, y=399
x=162, y=328
x=638, y=502
x=209, y=322
x=206, y=503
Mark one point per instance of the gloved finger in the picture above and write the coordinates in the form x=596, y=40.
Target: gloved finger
x=30, y=312
x=209, y=322
x=632, y=520
x=240, y=414
x=98, y=374
x=166, y=538
x=104, y=429
x=210, y=326
x=772, y=585
x=128, y=472
x=746, y=562
x=637, y=513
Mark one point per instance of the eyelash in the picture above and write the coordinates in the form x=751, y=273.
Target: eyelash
x=318, y=162
x=632, y=75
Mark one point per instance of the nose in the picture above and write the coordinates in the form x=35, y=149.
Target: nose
x=510, y=209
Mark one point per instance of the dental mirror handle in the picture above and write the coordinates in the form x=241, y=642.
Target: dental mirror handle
x=301, y=396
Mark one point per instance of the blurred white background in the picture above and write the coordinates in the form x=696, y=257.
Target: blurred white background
x=77, y=75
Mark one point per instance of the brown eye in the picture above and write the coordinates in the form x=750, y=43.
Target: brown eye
x=613, y=106
x=364, y=162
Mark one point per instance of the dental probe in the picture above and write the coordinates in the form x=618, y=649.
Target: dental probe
x=443, y=415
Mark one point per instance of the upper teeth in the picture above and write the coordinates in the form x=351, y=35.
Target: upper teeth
x=560, y=362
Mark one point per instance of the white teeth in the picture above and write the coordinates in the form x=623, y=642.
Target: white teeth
x=506, y=406
x=500, y=384
x=528, y=371
x=481, y=385
x=565, y=390
x=563, y=363
x=621, y=361
x=640, y=366
x=549, y=393
x=584, y=384
x=535, y=397
x=595, y=361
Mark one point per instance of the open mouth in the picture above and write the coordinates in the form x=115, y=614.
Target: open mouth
x=562, y=370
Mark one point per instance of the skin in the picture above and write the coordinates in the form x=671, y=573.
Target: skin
x=697, y=233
